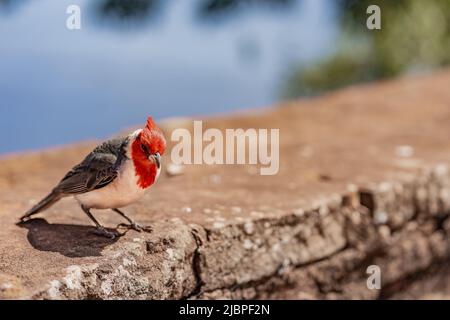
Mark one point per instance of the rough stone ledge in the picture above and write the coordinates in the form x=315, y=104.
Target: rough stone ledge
x=322, y=252
x=400, y=226
x=347, y=196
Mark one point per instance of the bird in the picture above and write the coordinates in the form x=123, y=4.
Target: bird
x=115, y=174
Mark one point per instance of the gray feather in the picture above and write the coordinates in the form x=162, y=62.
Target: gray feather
x=97, y=170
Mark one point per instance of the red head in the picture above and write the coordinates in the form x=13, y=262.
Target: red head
x=146, y=150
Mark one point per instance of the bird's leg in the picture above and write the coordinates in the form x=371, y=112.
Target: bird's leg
x=101, y=230
x=133, y=225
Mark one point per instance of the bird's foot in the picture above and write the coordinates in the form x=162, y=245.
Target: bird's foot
x=101, y=231
x=136, y=227
x=23, y=219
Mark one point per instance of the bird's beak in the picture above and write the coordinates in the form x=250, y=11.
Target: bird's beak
x=156, y=159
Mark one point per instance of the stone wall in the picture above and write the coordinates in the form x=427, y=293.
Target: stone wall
x=363, y=181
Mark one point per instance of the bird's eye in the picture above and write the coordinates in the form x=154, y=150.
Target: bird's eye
x=144, y=148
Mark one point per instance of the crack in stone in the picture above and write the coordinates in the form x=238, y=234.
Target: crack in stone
x=196, y=265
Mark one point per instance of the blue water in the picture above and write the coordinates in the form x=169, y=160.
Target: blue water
x=59, y=86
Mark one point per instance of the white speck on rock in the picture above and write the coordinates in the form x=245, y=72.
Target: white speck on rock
x=299, y=212
x=380, y=217
x=404, y=151
x=53, y=291
x=122, y=272
x=323, y=209
x=352, y=188
x=73, y=278
x=187, y=209
x=173, y=169
x=286, y=262
x=170, y=253
x=5, y=286
x=249, y=227
x=129, y=262
x=276, y=247
x=176, y=220
x=218, y=225
x=116, y=254
x=248, y=244
x=285, y=238
x=258, y=214
x=356, y=218
x=236, y=210
x=408, y=163
x=336, y=200
x=384, y=232
x=385, y=187
x=106, y=287
x=441, y=170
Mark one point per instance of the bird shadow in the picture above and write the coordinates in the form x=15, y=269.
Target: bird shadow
x=67, y=239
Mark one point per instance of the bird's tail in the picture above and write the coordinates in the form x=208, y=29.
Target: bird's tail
x=45, y=203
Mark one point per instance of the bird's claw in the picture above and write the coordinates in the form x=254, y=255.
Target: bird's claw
x=136, y=227
x=101, y=231
x=22, y=220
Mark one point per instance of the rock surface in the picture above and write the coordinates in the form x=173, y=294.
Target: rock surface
x=363, y=181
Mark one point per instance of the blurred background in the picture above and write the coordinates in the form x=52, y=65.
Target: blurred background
x=166, y=58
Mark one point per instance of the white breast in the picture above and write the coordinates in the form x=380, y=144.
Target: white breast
x=123, y=191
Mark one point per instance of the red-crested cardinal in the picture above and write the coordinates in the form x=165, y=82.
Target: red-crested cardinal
x=115, y=174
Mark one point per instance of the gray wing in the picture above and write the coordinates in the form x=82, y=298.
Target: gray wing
x=97, y=170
